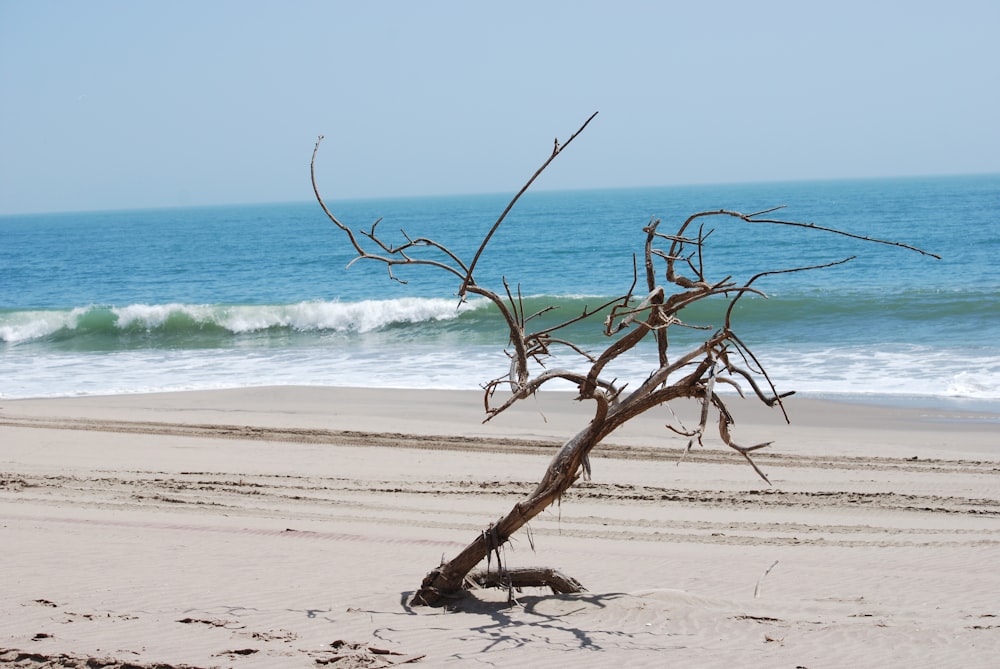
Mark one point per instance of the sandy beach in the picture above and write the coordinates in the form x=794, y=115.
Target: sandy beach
x=286, y=527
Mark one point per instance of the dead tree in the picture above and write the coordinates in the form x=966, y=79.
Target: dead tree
x=723, y=358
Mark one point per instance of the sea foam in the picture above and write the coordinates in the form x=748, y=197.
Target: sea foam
x=310, y=316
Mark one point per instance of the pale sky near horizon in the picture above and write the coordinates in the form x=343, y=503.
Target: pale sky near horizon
x=115, y=104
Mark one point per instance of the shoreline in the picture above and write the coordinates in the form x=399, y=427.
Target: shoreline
x=816, y=425
x=286, y=527
x=988, y=407
x=949, y=409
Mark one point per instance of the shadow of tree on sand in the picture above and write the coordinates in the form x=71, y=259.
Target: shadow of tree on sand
x=546, y=619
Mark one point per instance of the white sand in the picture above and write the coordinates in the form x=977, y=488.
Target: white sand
x=284, y=527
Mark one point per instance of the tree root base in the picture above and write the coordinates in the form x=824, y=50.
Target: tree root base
x=508, y=579
x=525, y=577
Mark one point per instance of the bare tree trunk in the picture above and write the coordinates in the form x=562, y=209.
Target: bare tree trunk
x=447, y=580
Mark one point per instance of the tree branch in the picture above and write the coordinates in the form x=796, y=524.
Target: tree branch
x=557, y=149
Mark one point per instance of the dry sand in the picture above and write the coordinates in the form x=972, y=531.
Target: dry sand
x=285, y=527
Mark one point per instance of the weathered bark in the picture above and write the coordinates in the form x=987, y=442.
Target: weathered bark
x=445, y=581
x=563, y=471
x=526, y=577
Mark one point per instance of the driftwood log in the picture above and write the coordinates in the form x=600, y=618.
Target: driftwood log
x=524, y=577
x=632, y=317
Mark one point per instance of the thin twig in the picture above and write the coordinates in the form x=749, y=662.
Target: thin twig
x=760, y=581
x=557, y=149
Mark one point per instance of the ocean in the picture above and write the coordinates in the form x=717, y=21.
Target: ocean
x=97, y=303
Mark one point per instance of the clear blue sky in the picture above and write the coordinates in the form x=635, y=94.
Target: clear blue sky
x=122, y=104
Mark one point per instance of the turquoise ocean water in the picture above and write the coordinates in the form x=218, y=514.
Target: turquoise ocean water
x=195, y=298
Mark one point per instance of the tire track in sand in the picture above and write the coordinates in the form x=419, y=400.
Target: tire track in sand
x=515, y=446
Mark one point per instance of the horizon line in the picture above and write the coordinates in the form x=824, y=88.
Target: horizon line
x=362, y=198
